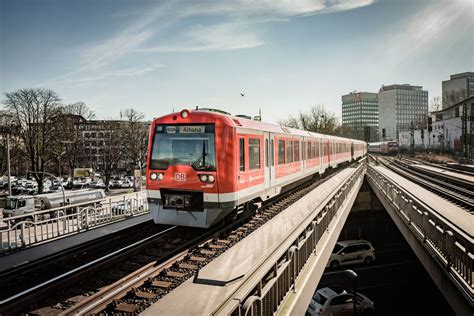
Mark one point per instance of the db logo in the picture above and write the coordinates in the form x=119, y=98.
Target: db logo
x=180, y=177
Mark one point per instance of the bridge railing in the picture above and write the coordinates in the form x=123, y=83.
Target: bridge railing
x=452, y=247
x=273, y=281
x=33, y=228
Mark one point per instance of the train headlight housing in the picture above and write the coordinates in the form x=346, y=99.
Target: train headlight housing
x=156, y=176
x=207, y=178
x=184, y=113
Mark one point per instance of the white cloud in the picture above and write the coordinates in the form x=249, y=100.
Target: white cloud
x=225, y=36
x=120, y=73
x=238, y=30
x=435, y=28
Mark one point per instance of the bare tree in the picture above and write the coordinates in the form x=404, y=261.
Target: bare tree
x=72, y=136
x=435, y=104
x=135, y=137
x=317, y=119
x=112, y=151
x=36, y=113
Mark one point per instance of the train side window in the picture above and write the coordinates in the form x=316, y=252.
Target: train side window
x=297, y=151
x=317, y=149
x=308, y=150
x=289, y=151
x=242, y=154
x=281, y=152
x=267, y=154
x=254, y=153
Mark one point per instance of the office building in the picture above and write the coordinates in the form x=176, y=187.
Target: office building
x=401, y=107
x=360, y=115
x=458, y=88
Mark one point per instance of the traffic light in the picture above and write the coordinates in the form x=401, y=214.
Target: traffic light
x=430, y=124
x=422, y=133
x=383, y=133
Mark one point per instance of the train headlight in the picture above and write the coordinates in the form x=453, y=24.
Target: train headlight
x=203, y=177
x=184, y=113
x=156, y=176
x=211, y=178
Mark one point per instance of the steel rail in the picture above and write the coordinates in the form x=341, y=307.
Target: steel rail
x=443, y=189
x=82, y=268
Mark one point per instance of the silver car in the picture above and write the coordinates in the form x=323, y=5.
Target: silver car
x=350, y=252
x=336, y=301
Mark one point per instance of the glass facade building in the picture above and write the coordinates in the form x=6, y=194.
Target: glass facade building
x=360, y=114
x=400, y=107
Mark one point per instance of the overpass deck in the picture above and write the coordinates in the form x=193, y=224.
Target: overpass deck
x=451, y=212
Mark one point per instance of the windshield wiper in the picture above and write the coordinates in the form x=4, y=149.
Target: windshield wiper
x=201, y=161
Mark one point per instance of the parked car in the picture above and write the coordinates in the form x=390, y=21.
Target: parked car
x=126, y=184
x=115, y=184
x=124, y=207
x=337, y=301
x=350, y=252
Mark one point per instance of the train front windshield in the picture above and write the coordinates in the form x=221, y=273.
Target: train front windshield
x=184, y=145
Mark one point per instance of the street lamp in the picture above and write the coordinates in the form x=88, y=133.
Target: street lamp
x=352, y=275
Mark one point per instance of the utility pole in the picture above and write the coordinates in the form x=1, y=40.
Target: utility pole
x=464, y=134
x=8, y=165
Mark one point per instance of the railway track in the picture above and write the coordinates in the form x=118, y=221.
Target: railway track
x=29, y=274
x=131, y=285
x=439, y=184
x=461, y=169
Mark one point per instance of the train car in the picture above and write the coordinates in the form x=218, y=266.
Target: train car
x=387, y=147
x=205, y=165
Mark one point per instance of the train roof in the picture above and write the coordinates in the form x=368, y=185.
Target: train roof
x=241, y=122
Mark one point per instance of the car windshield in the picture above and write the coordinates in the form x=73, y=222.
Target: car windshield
x=184, y=145
x=10, y=204
x=320, y=299
x=337, y=248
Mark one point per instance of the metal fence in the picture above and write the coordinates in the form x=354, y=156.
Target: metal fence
x=268, y=292
x=33, y=228
x=453, y=248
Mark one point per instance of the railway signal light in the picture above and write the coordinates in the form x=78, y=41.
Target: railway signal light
x=383, y=133
x=430, y=124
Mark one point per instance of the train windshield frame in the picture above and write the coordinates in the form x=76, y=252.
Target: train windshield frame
x=10, y=204
x=190, y=144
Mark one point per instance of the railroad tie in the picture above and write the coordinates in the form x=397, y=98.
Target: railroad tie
x=188, y=266
x=207, y=252
x=126, y=308
x=161, y=284
x=224, y=241
x=216, y=246
x=197, y=259
x=174, y=274
x=145, y=295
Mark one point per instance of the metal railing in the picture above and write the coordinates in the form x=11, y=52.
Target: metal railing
x=268, y=292
x=452, y=247
x=33, y=228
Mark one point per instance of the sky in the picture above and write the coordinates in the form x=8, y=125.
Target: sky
x=284, y=56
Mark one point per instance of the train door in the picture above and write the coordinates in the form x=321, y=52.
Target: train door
x=269, y=157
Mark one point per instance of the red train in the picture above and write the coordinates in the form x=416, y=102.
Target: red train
x=387, y=147
x=205, y=165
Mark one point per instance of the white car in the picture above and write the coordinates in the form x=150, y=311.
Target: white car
x=350, y=252
x=336, y=301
